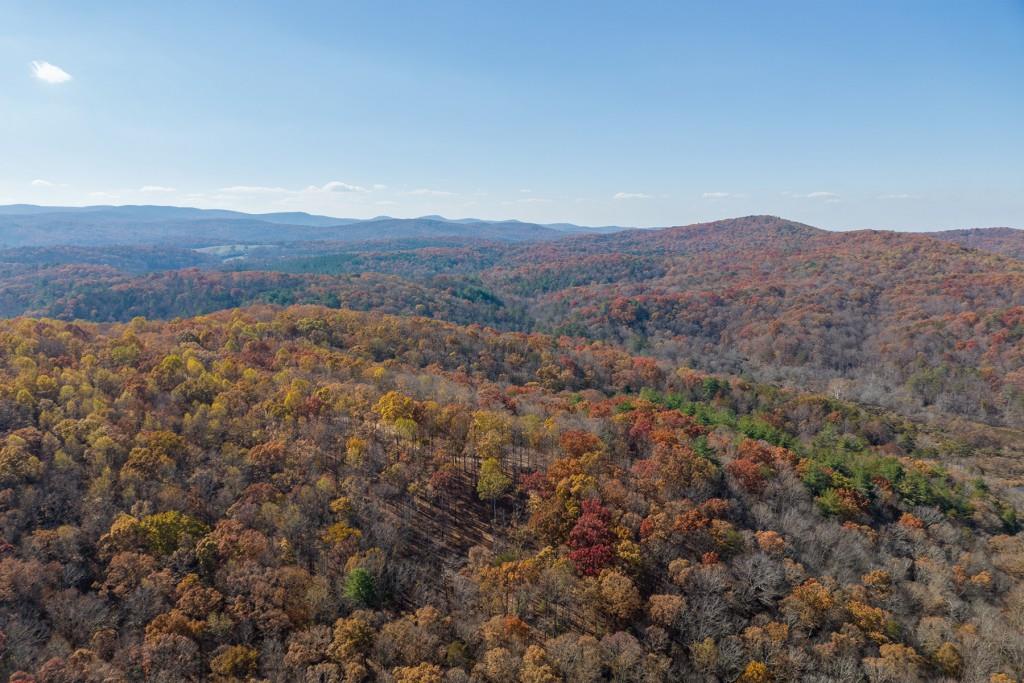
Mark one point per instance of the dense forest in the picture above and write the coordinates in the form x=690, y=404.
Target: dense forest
x=1006, y=241
x=99, y=293
x=906, y=321
x=414, y=342
x=743, y=451
x=320, y=495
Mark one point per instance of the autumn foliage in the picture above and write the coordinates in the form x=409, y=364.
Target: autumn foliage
x=314, y=494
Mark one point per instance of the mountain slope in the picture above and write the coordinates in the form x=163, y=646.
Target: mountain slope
x=895, y=319
x=1005, y=241
x=319, y=495
x=905, y=318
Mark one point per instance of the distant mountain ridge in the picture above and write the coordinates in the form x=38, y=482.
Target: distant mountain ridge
x=1005, y=241
x=26, y=225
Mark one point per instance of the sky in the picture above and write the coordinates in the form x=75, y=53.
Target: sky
x=895, y=114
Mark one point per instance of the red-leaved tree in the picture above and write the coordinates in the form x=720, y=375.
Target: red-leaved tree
x=591, y=539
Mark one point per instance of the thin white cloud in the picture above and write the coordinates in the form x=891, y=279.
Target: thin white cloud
x=529, y=200
x=45, y=184
x=900, y=195
x=159, y=189
x=716, y=195
x=336, y=186
x=331, y=186
x=631, y=195
x=49, y=73
x=253, y=189
x=423, y=191
x=828, y=196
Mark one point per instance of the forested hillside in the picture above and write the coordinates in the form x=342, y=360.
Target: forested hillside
x=1006, y=241
x=307, y=494
x=902, y=320
x=103, y=294
x=891, y=318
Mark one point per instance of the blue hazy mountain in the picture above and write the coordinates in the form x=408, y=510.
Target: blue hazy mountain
x=24, y=225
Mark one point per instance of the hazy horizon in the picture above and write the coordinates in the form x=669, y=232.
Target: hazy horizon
x=500, y=219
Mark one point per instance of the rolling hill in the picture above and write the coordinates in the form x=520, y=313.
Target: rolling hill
x=907, y=319
x=896, y=319
x=1006, y=241
x=744, y=450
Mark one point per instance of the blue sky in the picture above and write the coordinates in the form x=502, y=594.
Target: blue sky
x=895, y=114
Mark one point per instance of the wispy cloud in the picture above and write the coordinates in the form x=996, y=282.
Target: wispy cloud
x=336, y=186
x=330, y=186
x=43, y=184
x=157, y=189
x=631, y=195
x=329, y=196
x=719, y=195
x=49, y=73
x=423, y=191
x=253, y=189
x=899, y=195
x=529, y=200
x=825, y=196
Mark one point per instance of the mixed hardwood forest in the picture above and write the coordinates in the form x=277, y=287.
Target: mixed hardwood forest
x=920, y=323
x=745, y=451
